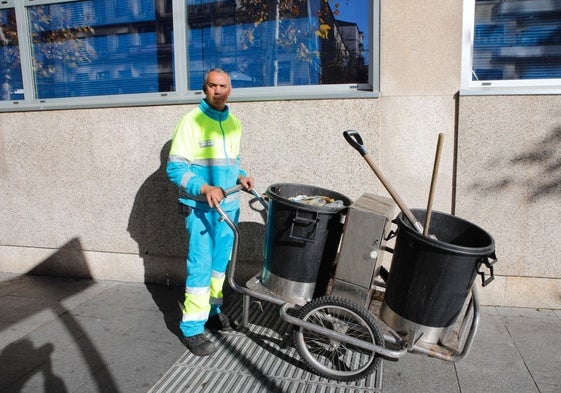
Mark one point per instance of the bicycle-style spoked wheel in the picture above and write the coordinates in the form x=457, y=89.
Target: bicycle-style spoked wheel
x=332, y=358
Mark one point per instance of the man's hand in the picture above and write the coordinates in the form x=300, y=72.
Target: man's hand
x=213, y=194
x=246, y=182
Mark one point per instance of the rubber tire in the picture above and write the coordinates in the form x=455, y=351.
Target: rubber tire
x=319, y=352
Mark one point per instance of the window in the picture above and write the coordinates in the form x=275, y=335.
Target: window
x=514, y=43
x=11, y=77
x=83, y=53
x=94, y=48
x=253, y=41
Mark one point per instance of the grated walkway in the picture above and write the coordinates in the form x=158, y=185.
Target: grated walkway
x=258, y=358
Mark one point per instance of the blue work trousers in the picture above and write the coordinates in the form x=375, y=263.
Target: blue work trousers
x=210, y=247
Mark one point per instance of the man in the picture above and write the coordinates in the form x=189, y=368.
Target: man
x=204, y=160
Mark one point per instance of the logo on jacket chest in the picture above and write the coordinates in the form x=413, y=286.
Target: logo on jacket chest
x=206, y=143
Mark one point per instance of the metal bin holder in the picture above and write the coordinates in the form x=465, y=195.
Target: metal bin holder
x=367, y=225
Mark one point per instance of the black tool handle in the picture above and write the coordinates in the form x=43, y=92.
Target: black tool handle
x=355, y=140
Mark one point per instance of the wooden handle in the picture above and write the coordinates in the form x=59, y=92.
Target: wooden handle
x=433, y=182
x=416, y=224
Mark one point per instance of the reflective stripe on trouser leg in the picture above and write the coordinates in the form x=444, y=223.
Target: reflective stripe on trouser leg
x=196, y=306
x=216, y=296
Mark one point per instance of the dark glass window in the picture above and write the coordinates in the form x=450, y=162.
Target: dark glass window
x=128, y=52
x=10, y=64
x=516, y=40
x=283, y=43
x=101, y=47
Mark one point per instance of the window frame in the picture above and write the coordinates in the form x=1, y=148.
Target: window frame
x=494, y=87
x=182, y=94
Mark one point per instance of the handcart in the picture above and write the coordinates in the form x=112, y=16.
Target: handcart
x=426, y=303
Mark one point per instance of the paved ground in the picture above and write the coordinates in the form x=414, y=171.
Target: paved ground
x=67, y=335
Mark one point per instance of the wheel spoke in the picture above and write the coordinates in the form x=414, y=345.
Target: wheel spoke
x=334, y=358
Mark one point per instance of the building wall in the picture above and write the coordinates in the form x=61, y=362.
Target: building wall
x=509, y=181
x=84, y=192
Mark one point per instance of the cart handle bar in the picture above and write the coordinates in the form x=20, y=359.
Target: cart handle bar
x=233, y=256
x=231, y=190
x=226, y=192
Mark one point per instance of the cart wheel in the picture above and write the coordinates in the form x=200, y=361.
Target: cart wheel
x=335, y=359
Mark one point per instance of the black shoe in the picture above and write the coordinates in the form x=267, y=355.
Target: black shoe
x=218, y=323
x=199, y=345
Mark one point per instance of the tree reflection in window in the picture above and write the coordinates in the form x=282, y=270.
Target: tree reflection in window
x=101, y=47
x=278, y=42
x=10, y=64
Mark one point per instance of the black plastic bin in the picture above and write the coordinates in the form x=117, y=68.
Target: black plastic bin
x=430, y=279
x=301, y=241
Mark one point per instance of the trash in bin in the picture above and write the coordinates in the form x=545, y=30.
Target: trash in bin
x=318, y=200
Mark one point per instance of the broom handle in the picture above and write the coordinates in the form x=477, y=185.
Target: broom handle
x=433, y=181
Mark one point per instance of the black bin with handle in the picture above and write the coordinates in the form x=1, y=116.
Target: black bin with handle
x=431, y=277
x=301, y=241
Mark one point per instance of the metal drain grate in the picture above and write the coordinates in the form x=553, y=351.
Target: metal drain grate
x=258, y=358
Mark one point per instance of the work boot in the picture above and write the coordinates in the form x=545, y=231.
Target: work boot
x=199, y=345
x=218, y=323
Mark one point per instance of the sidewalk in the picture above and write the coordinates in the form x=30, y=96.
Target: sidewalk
x=67, y=335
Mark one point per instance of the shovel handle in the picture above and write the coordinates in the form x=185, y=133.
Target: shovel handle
x=355, y=140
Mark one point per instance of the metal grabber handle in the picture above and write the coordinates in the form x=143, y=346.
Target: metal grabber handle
x=355, y=140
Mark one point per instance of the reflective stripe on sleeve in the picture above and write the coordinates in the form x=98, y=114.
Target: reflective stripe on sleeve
x=215, y=162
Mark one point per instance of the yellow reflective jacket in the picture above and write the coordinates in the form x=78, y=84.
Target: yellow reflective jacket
x=206, y=149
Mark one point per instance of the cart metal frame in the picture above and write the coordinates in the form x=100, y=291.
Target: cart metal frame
x=394, y=345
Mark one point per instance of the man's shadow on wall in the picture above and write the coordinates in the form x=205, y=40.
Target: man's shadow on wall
x=159, y=229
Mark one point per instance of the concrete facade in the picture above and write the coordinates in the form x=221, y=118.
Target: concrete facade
x=84, y=191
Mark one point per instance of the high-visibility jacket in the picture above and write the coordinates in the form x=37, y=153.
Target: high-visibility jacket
x=206, y=149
